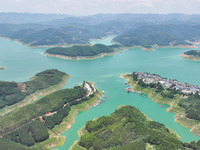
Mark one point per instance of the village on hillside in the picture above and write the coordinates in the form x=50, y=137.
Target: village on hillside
x=153, y=78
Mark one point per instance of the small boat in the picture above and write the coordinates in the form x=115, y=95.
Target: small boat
x=108, y=97
x=125, y=82
x=161, y=106
x=90, y=107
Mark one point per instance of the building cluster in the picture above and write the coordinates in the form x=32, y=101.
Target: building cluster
x=183, y=87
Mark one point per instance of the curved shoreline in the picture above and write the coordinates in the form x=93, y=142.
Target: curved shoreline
x=81, y=57
x=34, y=96
x=154, y=47
x=66, y=124
x=179, y=112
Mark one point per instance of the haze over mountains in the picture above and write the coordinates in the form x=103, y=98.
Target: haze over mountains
x=55, y=29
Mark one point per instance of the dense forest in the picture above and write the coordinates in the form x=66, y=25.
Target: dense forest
x=50, y=103
x=76, y=51
x=161, y=35
x=30, y=124
x=195, y=53
x=191, y=104
x=13, y=92
x=127, y=128
x=41, y=35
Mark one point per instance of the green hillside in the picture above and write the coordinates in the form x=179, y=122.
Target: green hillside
x=128, y=129
x=33, y=123
x=13, y=92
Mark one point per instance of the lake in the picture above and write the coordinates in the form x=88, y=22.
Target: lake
x=23, y=62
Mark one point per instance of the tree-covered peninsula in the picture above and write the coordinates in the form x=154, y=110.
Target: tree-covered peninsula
x=14, y=92
x=39, y=124
x=192, y=55
x=183, y=98
x=76, y=52
x=128, y=129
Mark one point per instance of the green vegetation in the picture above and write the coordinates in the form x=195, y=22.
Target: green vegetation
x=161, y=35
x=13, y=92
x=50, y=103
x=29, y=134
x=192, y=55
x=82, y=51
x=191, y=106
x=185, y=106
x=195, y=53
x=127, y=128
x=35, y=123
x=10, y=145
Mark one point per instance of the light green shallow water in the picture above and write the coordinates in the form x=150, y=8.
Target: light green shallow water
x=23, y=62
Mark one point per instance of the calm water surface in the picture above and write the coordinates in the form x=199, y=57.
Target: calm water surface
x=23, y=62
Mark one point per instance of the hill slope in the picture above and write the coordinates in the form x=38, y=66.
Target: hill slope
x=127, y=128
x=161, y=35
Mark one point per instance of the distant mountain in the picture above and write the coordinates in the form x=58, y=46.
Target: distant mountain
x=21, y=18
x=40, y=35
x=161, y=35
x=131, y=18
x=133, y=29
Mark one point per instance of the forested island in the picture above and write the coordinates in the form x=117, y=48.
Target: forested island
x=43, y=82
x=183, y=98
x=129, y=129
x=45, y=119
x=192, y=55
x=80, y=52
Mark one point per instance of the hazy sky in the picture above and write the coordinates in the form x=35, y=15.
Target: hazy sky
x=88, y=7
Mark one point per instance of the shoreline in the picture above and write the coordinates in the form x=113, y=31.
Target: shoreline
x=114, y=42
x=41, y=46
x=67, y=122
x=2, y=68
x=154, y=47
x=34, y=96
x=101, y=55
x=83, y=131
x=188, y=57
x=180, y=117
x=195, y=42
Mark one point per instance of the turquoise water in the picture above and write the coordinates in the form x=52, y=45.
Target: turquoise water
x=23, y=62
x=105, y=41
